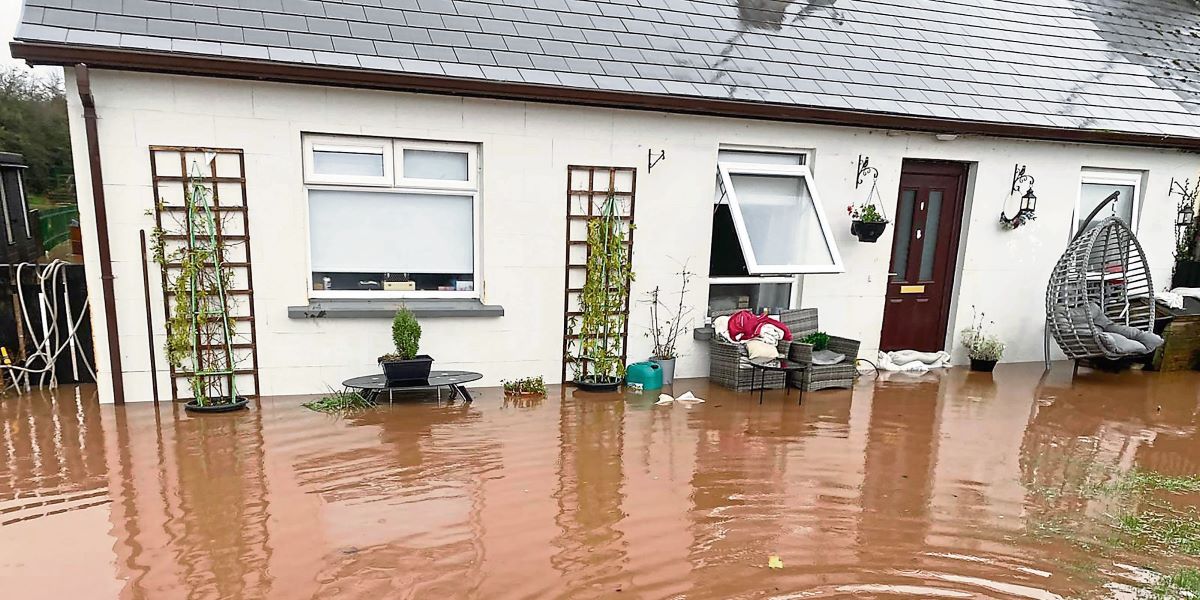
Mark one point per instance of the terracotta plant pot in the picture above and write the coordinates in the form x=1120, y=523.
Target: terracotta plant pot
x=414, y=369
x=983, y=366
x=868, y=232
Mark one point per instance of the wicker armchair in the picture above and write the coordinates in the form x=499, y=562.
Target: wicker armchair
x=729, y=365
x=819, y=377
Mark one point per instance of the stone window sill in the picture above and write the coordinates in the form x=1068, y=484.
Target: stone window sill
x=423, y=308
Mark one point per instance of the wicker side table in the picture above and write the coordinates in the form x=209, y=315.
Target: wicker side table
x=1181, y=338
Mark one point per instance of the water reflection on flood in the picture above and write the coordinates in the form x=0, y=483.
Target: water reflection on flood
x=920, y=487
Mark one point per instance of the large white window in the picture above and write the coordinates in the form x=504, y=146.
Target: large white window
x=391, y=218
x=768, y=228
x=1097, y=184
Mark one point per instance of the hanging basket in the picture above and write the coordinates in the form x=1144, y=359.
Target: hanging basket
x=868, y=232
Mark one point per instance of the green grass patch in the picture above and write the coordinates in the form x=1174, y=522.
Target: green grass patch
x=1142, y=482
x=1178, y=585
x=1165, y=531
x=340, y=402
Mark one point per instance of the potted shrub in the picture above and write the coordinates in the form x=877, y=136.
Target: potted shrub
x=598, y=362
x=867, y=222
x=666, y=325
x=983, y=348
x=525, y=386
x=405, y=364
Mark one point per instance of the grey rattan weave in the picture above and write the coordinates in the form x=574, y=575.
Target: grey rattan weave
x=1104, y=266
x=729, y=366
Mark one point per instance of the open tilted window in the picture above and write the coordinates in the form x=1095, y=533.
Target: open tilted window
x=780, y=224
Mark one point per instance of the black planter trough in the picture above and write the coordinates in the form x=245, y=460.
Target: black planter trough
x=983, y=366
x=237, y=404
x=868, y=232
x=1187, y=274
x=601, y=384
x=414, y=369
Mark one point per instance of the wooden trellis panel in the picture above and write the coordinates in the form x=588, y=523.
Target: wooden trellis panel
x=587, y=189
x=223, y=172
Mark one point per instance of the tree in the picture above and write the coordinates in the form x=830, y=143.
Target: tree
x=33, y=122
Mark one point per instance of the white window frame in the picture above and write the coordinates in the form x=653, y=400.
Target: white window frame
x=727, y=169
x=357, y=145
x=396, y=185
x=1102, y=176
x=793, y=280
x=472, y=168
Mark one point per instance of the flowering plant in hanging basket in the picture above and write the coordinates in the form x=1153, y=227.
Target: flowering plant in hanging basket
x=867, y=222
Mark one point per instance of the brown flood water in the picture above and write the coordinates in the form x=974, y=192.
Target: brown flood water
x=934, y=487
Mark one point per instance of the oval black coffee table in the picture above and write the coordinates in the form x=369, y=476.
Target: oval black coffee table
x=371, y=386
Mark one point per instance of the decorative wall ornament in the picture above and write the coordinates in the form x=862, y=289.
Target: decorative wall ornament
x=864, y=169
x=1026, y=211
x=652, y=160
x=868, y=220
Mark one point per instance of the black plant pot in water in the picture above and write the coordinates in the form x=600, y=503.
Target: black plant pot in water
x=402, y=371
x=983, y=366
x=212, y=407
x=592, y=383
x=868, y=232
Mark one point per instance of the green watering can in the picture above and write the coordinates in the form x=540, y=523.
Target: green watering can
x=644, y=375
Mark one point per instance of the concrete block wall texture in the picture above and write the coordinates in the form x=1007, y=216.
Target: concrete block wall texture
x=525, y=149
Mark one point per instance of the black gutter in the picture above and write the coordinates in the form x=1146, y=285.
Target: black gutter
x=83, y=82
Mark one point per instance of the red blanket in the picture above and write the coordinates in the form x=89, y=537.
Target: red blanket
x=745, y=325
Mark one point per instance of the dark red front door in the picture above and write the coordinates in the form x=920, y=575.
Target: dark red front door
x=924, y=254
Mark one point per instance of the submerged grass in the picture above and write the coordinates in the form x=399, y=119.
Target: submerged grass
x=1178, y=585
x=340, y=402
x=1164, y=531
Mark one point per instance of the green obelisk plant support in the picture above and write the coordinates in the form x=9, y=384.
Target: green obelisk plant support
x=599, y=363
x=200, y=330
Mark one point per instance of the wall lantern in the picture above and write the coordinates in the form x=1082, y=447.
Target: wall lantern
x=1028, y=200
x=1185, y=218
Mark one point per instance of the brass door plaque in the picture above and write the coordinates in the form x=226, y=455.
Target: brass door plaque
x=912, y=289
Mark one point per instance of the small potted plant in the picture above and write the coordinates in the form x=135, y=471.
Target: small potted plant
x=405, y=364
x=666, y=325
x=525, y=386
x=867, y=222
x=983, y=348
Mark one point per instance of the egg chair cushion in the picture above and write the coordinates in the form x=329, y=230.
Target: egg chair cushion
x=1117, y=344
x=1120, y=334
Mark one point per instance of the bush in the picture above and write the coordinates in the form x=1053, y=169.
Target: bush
x=818, y=339
x=406, y=335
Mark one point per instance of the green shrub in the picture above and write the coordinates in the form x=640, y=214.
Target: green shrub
x=406, y=335
x=525, y=386
x=818, y=339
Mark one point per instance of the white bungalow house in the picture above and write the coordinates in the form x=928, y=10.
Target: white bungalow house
x=418, y=151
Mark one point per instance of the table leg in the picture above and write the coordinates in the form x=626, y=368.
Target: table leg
x=762, y=386
x=465, y=394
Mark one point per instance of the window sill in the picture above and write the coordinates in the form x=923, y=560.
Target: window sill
x=423, y=308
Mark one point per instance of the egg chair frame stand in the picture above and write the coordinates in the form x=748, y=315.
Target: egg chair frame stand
x=1104, y=266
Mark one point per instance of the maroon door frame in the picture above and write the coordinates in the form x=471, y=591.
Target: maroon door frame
x=917, y=310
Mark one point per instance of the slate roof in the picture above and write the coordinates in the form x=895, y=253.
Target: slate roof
x=1101, y=65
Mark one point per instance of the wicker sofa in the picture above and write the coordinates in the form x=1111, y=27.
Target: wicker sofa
x=729, y=365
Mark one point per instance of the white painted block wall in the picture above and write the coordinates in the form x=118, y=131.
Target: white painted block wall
x=525, y=150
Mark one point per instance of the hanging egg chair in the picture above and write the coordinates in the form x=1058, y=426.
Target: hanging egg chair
x=1100, y=299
